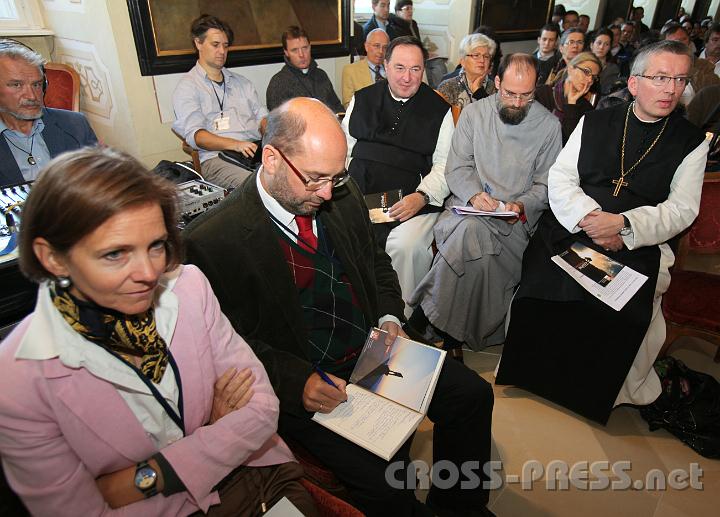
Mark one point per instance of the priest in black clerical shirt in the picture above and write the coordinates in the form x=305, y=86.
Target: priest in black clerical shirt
x=627, y=182
x=399, y=134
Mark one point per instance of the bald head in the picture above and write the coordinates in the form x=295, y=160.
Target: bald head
x=303, y=146
x=375, y=46
x=287, y=126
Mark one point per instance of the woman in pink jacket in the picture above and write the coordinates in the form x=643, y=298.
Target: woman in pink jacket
x=127, y=390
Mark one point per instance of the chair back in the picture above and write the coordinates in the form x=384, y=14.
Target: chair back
x=63, y=90
x=704, y=236
x=455, y=109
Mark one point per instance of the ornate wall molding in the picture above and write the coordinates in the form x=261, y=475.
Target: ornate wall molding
x=96, y=96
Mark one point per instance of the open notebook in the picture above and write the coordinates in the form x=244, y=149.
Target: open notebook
x=389, y=394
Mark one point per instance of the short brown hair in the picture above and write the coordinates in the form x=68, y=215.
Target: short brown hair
x=293, y=32
x=80, y=190
x=205, y=22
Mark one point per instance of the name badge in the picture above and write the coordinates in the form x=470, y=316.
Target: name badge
x=221, y=123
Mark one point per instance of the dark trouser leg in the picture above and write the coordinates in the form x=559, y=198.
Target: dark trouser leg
x=360, y=471
x=461, y=410
x=248, y=490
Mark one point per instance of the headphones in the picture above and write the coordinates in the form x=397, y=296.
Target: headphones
x=9, y=43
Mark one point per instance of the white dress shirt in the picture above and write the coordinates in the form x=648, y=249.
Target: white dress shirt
x=74, y=351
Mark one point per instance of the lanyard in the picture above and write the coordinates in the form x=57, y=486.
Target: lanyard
x=212, y=83
x=179, y=419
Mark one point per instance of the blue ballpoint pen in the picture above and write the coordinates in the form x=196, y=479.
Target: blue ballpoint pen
x=324, y=377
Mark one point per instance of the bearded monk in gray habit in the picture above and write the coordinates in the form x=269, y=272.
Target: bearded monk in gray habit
x=501, y=151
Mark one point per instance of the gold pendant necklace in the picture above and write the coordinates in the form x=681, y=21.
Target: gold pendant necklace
x=620, y=182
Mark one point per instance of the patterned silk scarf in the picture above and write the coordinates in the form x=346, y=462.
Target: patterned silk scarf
x=129, y=336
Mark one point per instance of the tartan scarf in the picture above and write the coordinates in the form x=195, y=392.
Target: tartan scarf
x=127, y=335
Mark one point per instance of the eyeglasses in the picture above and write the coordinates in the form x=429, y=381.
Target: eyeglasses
x=587, y=72
x=575, y=42
x=407, y=8
x=478, y=57
x=415, y=70
x=379, y=46
x=312, y=184
x=522, y=97
x=662, y=80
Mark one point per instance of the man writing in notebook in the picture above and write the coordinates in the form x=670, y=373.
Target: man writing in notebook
x=293, y=259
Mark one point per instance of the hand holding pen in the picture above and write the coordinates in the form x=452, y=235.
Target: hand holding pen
x=323, y=392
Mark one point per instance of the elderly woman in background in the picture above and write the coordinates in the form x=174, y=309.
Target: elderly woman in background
x=127, y=387
x=472, y=83
x=600, y=45
x=570, y=98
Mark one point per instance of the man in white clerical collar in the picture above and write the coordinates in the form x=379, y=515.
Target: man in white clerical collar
x=628, y=180
x=31, y=134
x=398, y=134
x=216, y=109
x=301, y=76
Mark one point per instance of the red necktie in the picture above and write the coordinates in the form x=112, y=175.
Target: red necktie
x=307, y=239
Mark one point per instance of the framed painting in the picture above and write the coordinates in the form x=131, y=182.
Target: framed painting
x=161, y=29
x=513, y=20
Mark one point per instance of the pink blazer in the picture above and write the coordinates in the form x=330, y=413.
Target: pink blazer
x=60, y=428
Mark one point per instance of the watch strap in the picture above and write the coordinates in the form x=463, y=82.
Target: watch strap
x=424, y=195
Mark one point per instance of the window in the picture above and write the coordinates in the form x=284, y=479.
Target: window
x=21, y=17
x=364, y=7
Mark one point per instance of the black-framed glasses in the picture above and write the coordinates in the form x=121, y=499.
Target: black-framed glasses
x=662, y=80
x=587, y=72
x=312, y=184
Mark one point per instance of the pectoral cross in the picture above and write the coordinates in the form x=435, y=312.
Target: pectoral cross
x=620, y=182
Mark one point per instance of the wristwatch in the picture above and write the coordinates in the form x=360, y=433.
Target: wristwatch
x=626, y=229
x=146, y=479
x=425, y=196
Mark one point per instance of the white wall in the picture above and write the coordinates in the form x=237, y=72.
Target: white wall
x=714, y=10
x=593, y=8
x=688, y=5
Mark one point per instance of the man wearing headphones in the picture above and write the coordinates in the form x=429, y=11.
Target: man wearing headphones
x=31, y=134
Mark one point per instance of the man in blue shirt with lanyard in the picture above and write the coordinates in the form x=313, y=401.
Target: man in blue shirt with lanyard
x=216, y=109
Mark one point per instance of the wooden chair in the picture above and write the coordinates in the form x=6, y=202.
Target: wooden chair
x=455, y=109
x=194, y=155
x=691, y=305
x=63, y=90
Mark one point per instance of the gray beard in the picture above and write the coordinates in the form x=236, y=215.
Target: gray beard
x=20, y=116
